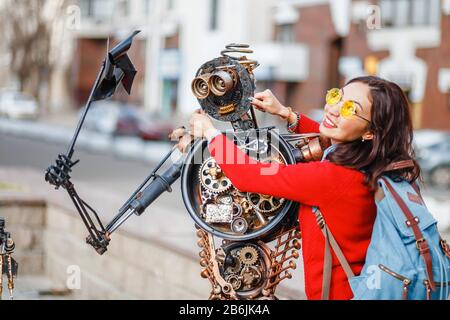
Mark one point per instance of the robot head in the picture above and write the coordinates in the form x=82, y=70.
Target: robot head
x=224, y=85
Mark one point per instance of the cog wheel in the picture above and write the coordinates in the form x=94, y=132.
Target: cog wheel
x=212, y=177
x=234, y=280
x=239, y=194
x=250, y=276
x=237, y=210
x=206, y=195
x=233, y=264
x=225, y=199
x=248, y=255
x=264, y=203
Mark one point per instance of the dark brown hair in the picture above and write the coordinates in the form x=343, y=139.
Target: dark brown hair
x=392, y=135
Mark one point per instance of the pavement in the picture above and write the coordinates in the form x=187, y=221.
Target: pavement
x=33, y=287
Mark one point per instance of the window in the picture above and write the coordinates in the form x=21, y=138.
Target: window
x=97, y=9
x=169, y=98
x=214, y=13
x=147, y=6
x=87, y=8
x=401, y=13
x=169, y=5
x=123, y=8
x=284, y=33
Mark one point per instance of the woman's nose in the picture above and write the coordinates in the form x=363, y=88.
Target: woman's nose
x=333, y=109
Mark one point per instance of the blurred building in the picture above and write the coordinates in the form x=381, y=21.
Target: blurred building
x=406, y=41
x=177, y=37
x=304, y=47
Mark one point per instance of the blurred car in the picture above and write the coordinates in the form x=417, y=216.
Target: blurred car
x=100, y=117
x=154, y=130
x=118, y=119
x=433, y=154
x=17, y=105
x=427, y=137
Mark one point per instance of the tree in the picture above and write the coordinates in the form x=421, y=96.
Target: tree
x=27, y=28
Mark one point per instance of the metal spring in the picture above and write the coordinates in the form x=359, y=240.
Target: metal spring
x=239, y=48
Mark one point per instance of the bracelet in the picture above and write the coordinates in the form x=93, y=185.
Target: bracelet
x=286, y=118
x=292, y=126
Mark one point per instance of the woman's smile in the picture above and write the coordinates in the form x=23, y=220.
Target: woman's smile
x=327, y=123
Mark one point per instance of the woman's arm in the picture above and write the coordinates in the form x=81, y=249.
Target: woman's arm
x=310, y=183
x=305, y=124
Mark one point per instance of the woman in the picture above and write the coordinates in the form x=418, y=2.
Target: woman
x=369, y=125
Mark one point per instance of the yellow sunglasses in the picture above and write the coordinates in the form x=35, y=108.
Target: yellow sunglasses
x=347, y=109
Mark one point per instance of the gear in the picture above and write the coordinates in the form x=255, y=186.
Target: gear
x=206, y=195
x=234, y=280
x=225, y=199
x=212, y=178
x=236, y=193
x=264, y=203
x=237, y=210
x=250, y=276
x=248, y=255
x=233, y=264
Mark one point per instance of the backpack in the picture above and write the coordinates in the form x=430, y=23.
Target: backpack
x=406, y=258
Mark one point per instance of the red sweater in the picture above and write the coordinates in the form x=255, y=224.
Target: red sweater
x=346, y=203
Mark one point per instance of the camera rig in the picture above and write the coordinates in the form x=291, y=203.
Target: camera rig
x=245, y=265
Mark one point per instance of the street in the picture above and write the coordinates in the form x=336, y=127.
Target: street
x=104, y=171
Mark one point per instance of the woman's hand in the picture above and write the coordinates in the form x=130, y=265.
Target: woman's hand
x=200, y=124
x=183, y=137
x=267, y=102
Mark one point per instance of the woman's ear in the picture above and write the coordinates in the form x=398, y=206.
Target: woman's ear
x=368, y=135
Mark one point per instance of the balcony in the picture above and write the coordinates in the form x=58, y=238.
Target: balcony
x=101, y=18
x=282, y=61
x=169, y=64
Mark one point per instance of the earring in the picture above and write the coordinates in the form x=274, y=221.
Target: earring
x=362, y=139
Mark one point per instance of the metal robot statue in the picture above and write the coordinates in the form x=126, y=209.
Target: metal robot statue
x=248, y=242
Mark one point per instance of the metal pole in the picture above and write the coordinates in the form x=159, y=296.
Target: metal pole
x=86, y=109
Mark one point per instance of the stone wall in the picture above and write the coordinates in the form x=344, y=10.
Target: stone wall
x=25, y=220
x=50, y=239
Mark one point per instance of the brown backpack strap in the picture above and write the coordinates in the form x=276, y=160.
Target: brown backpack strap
x=445, y=247
x=416, y=189
x=421, y=242
x=330, y=243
